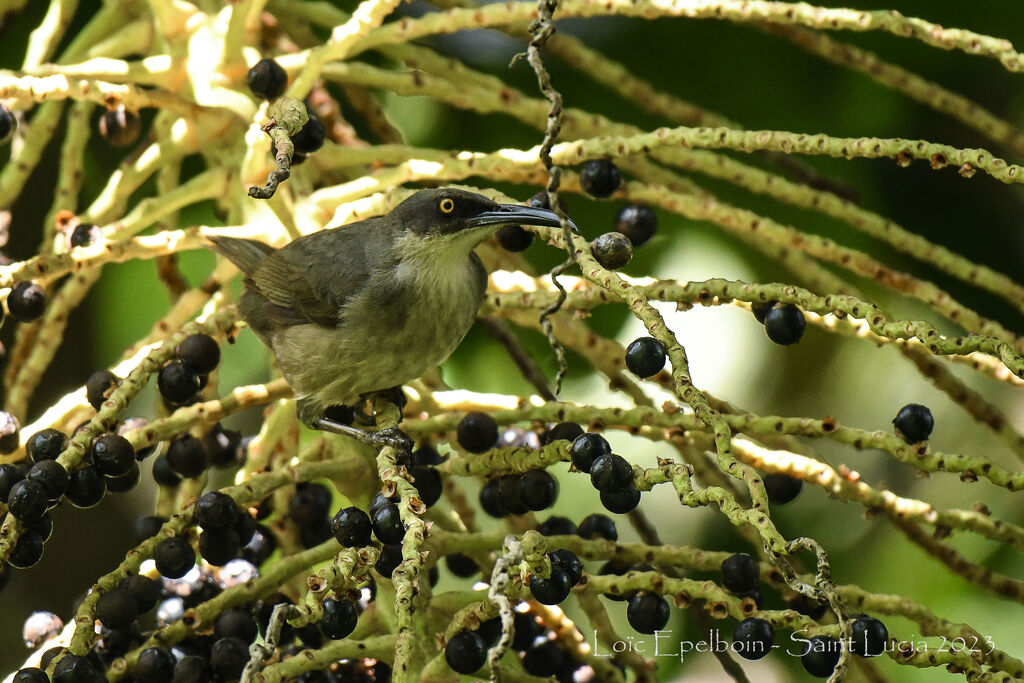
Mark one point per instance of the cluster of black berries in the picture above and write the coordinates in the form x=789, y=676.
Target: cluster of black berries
x=783, y=323
x=566, y=572
x=753, y=638
x=610, y=474
x=181, y=379
x=517, y=494
x=8, y=124
x=541, y=654
x=635, y=224
x=268, y=80
x=33, y=487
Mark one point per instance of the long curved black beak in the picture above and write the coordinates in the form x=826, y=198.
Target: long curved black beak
x=515, y=214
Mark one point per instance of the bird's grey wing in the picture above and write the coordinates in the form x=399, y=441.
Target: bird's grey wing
x=310, y=279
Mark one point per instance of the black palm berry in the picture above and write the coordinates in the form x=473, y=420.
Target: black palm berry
x=511, y=494
x=387, y=524
x=53, y=477
x=245, y=526
x=820, y=656
x=311, y=503
x=567, y=561
x=74, y=669
x=46, y=444
x=261, y=546
x=9, y=476
x=125, y=482
x=645, y=357
x=611, y=473
x=544, y=659
x=390, y=558
x=31, y=675
x=477, y=432
x=538, y=489
x=8, y=124
x=740, y=573
x=785, y=325
x=222, y=445
x=527, y=630
x=339, y=618
x=116, y=608
x=174, y=557
x=514, y=238
x=200, y=351
x=192, y=669
x=557, y=526
x=600, y=178
x=177, y=382
x=490, y=631
x=351, y=526
x=428, y=483
x=27, y=551
x=99, y=385
x=647, y=612
x=219, y=546
x=914, y=422
x=753, y=638
x=27, y=500
x=9, y=433
x=613, y=250
x=43, y=527
x=113, y=455
x=311, y=137
x=869, y=636
x=781, y=488
x=86, y=487
x=490, y=499
x=235, y=623
x=552, y=590
x=465, y=652
x=760, y=310
x=622, y=501
x=637, y=222
x=267, y=79
x=26, y=302
x=598, y=526
x=48, y=656
x=461, y=565
x=155, y=664
x=144, y=590
x=228, y=657
x=163, y=474
x=314, y=534
x=808, y=606
x=83, y=235
x=215, y=510
x=187, y=456
x=120, y=127
x=567, y=431
x=117, y=642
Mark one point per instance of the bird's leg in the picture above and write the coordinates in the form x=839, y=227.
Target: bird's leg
x=312, y=415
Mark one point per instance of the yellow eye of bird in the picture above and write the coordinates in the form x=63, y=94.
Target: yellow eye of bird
x=446, y=205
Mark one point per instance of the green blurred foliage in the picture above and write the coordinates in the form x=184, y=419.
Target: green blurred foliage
x=748, y=76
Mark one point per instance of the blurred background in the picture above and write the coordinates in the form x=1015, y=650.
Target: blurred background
x=750, y=77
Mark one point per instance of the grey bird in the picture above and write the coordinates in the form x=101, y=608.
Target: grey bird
x=360, y=309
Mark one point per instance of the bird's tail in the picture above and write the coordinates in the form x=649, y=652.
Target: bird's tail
x=246, y=254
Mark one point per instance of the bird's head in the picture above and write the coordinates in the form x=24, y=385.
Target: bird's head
x=457, y=216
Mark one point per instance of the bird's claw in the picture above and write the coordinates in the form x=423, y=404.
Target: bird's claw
x=392, y=436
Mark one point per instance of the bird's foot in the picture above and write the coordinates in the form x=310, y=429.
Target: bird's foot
x=392, y=436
